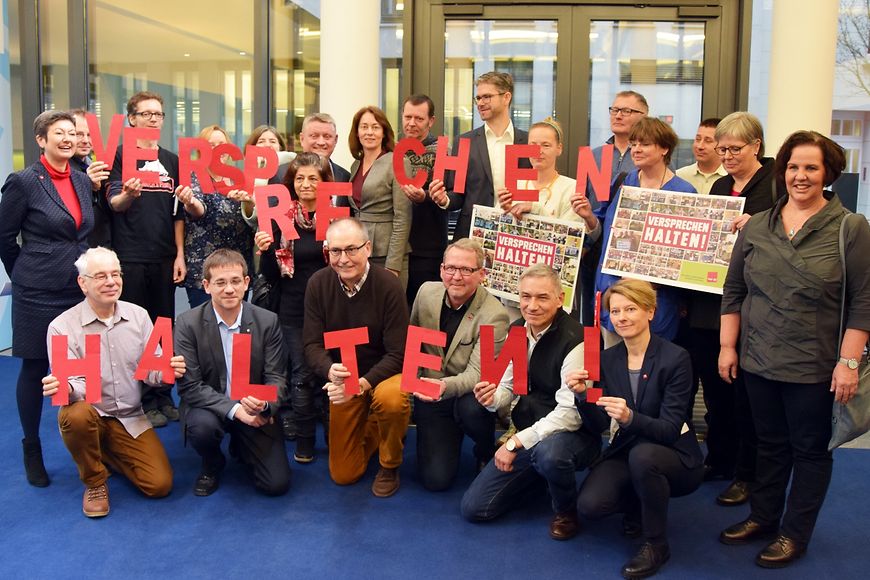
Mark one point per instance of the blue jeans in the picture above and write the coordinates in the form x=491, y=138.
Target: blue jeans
x=554, y=460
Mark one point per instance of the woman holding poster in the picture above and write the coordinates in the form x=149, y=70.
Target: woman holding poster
x=378, y=200
x=554, y=190
x=654, y=454
x=51, y=208
x=782, y=300
x=652, y=144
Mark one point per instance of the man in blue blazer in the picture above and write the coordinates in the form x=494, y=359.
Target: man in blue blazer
x=486, y=163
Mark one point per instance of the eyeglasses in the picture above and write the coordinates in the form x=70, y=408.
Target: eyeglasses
x=349, y=252
x=148, y=114
x=485, y=98
x=103, y=277
x=734, y=149
x=464, y=271
x=624, y=111
x=221, y=284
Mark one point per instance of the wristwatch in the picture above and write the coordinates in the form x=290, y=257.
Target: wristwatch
x=849, y=362
x=511, y=445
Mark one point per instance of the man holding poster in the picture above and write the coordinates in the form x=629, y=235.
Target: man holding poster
x=115, y=430
x=362, y=308
x=457, y=306
x=222, y=365
x=551, y=442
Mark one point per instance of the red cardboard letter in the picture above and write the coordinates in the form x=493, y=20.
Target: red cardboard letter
x=326, y=212
x=599, y=177
x=402, y=147
x=515, y=349
x=133, y=154
x=105, y=154
x=230, y=172
x=345, y=341
x=513, y=172
x=592, y=352
x=459, y=164
x=240, y=385
x=150, y=361
x=253, y=154
x=64, y=367
x=187, y=164
x=415, y=359
x=279, y=212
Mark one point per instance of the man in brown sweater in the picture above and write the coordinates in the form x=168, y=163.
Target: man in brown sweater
x=353, y=294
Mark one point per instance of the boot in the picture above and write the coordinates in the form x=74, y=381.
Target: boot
x=33, y=465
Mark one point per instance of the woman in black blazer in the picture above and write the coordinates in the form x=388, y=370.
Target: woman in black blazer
x=654, y=454
x=50, y=206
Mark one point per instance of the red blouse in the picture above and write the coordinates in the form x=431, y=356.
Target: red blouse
x=63, y=184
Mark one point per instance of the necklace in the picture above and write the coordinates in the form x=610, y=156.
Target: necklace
x=549, y=191
x=664, y=175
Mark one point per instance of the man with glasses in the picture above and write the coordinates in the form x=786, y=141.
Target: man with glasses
x=486, y=163
x=457, y=306
x=628, y=108
x=148, y=232
x=209, y=408
x=114, y=431
x=98, y=172
x=707, y=167
x=353, y=293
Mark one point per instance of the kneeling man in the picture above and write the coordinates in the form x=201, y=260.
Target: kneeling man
x=115, y=431
x=209, y=409
x=457, y=306
x=550, y=443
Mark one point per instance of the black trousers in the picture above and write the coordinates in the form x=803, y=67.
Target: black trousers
x=793, y=422
x=421, y=269
x=441, y=427
x=731, y=441
x=640, y=480
x=261, y=450
x=150, y=286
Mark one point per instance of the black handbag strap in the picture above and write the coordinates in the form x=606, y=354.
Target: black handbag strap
x=842, y=248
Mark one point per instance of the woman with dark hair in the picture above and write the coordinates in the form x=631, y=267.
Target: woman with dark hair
x=267, y=136
x=378, y=200
x=654, y=454
x=287, y=265
x=782, y=299
x=652, y=145
x=50, y=207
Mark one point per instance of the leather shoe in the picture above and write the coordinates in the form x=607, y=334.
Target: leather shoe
x=206, y=484
x=95, y=503
x=647, y=561
x=564, y=525
x=745, y=532
x=304, y=450
x=386, y=482
x=735, y=494
x=782, y=552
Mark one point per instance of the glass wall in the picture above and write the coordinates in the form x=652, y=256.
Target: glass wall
x=525, y=49
x=54, y=55
x=391, y=37
x=295, y=65
x=198, y=58
x=18, y=132
x=664, y=61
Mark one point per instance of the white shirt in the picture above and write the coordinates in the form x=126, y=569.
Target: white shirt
x=565, y=417
x=495, y=147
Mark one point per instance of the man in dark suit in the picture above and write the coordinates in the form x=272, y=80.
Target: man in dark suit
x=318, y=135
x=457, y=306
x=486, y=163
x=209, y=409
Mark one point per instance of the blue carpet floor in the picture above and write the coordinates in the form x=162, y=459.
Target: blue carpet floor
x=320, y=530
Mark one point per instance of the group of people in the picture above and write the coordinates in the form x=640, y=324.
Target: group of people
x=767, y=353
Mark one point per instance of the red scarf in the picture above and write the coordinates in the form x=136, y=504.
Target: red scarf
x=284, y=253
x=63, y=184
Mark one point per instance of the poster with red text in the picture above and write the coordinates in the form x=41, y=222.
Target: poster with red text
x=510, y=246
x=676, y=239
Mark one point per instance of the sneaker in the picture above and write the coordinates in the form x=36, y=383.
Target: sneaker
x=304, y=450
x=386, y=482
x=156, y=418
x=95, y=503
x=170, y=412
